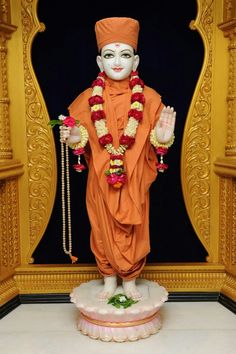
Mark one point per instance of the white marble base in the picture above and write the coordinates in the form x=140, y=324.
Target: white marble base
x=101, y=321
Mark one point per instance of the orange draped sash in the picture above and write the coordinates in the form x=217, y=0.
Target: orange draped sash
x=119, y=218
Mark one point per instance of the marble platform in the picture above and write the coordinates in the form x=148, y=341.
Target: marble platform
x=100, y=320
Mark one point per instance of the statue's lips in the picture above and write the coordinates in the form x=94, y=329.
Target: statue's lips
x=117, y=69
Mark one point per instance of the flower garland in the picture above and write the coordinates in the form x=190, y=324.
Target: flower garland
x=116, y=175
x=161, y=149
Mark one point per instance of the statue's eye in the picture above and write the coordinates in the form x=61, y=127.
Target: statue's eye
x=108, y=56
x=126, y=55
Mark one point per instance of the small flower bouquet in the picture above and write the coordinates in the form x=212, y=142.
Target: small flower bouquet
x=121, y=300
x=78, y=149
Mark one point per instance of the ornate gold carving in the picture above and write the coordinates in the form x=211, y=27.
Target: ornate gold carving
x=41, y=150
x=229, y=287
x=4, y=11
x=195, y=164
x=5, y=144
x=225, y=220
x=228, y=223
x=233, y=254
x=6, y=30
x=175, y=278
x=8, y=290
x=229, y=29
x=229, y=9
x=9, y=242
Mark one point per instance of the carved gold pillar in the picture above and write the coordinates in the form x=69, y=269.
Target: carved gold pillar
x=10, y=170
x=225, y=166
x=6, y=29
x=229, y=29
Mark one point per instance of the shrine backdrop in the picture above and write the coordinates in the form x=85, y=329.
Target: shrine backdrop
x=193, y=206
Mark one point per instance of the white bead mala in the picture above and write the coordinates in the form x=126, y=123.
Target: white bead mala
x=66, y=217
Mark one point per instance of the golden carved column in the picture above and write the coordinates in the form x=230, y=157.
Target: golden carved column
x=225, y=166
x=229, y=29
x=10, y=170
x=6, y=29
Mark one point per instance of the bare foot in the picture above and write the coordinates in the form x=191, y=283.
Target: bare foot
x=131, y=290
x=110, y=285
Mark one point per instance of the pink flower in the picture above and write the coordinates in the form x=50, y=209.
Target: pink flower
x=105, y=139
x=138, y=97
x=95, y=100
x=116, y=180
x=127, y=140
x=138, y=115
x=161, y=167
x=69, y=122
x=79, y=167
x=79, y=151
x=97, y=115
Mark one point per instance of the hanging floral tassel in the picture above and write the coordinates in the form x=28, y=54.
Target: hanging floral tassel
x=79, y=167
x=161, y=150
x=116, y=175
x=161, y=166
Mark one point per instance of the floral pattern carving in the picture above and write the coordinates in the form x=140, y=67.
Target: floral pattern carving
x=40, y=143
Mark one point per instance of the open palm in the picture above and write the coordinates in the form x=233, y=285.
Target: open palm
x=165, y=125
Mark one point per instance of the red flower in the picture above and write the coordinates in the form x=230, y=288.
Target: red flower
x=98, y=115
x=138, y=97
x=138, y=115
x=79, y=151
x=102, y=74
x=79, y=167
x=136, y=81
x=69, y=122
x=98, y=82
x=105, y=139
x=134, y=73
x=95, y=100
x=161, y=150
x=116, y=157
x=127, y=140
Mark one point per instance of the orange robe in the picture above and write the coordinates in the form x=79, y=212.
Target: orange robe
x=119, y=218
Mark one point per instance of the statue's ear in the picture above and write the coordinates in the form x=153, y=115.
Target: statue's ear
x=136, y=62
x=99, y=62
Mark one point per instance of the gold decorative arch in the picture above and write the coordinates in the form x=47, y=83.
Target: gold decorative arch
x=196, y=145
x=28, y=161
x=42, y=170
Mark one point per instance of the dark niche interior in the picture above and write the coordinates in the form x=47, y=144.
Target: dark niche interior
x=171, y=56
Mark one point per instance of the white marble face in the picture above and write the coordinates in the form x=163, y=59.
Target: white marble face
x=117, y=60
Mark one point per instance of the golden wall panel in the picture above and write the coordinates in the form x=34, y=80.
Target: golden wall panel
x=42, y=168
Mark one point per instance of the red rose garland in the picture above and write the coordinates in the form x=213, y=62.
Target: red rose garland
x=116, y=175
